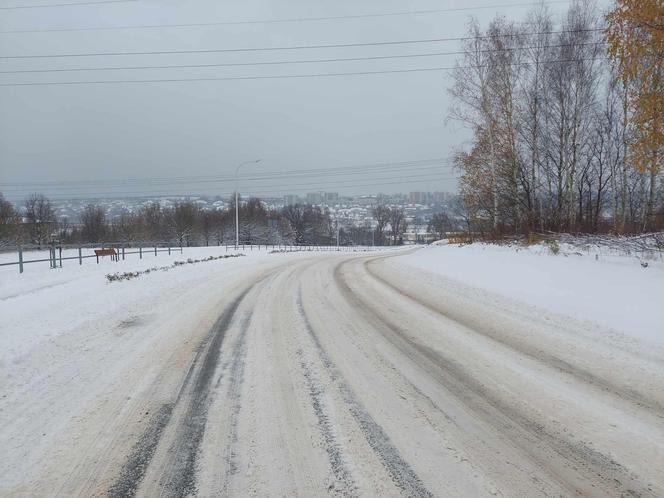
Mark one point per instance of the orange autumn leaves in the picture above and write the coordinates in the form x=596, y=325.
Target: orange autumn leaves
x=635, y=36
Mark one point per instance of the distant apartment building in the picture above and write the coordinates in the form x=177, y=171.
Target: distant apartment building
x=367, y=200
x=331, y=197
x=315, y=197
x=419, y=197
x=291, y=199
x=440, y=197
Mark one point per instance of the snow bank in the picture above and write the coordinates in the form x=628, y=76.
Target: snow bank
x=610, y=290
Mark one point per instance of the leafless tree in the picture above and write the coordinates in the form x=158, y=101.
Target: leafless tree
x=153, y=218
x=537, y=53
x=439, y=224
x=294, y=215
x=318, y=225
x=128, y=227
x=9, y=223
x=40, y=218
x=93, y=223
x=473, y=106
x=253, y=222
x=381, y=214
x=222, y=227
x=182, y=220
x=397, y=224
x=206, y=226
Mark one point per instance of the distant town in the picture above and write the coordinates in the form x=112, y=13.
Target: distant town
x=349, y=211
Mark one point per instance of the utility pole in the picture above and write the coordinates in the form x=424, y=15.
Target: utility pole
x=337, y=232
x=237, y=213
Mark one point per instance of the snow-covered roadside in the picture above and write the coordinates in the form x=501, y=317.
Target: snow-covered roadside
x=42, y=304
x=38, y=275
x=610, y=290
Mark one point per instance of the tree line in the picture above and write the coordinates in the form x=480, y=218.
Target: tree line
x=185, y=223
x=566, y=136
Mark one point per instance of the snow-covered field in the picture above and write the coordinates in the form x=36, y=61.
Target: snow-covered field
x=604, y=287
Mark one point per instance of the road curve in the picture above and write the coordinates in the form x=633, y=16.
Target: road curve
x=350, y=375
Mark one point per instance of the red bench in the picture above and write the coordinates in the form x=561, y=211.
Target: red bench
x=107, y=252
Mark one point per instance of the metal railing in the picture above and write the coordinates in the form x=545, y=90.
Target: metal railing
x=56, y=257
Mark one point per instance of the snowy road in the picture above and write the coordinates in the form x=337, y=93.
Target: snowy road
x=337, y=374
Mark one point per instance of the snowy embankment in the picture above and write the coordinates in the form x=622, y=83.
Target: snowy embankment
x=604, y=287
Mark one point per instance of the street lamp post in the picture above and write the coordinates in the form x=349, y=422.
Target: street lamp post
x=337, y=217
x=237, y=215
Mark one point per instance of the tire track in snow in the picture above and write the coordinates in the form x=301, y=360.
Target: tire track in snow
x=579, y=460
x=236, y=379
x=403, y=476
x=133, y=470
x=535, y=353
x=344, y=483
x=181, y=478
x=195, y=392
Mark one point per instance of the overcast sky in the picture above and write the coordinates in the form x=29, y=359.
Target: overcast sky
x=169, y=129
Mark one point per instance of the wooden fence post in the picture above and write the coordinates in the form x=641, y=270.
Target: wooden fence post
x=80, y=257
x=20, y=259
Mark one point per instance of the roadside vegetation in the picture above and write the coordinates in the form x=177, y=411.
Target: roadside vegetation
x=128, y=275
x=564, y=138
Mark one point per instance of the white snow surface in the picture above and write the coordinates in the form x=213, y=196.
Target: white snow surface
x=608, y=289
x=42, y=303
x=352, y=373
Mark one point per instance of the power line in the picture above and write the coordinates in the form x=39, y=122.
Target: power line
x=268, y=63
x=284, y=20
x=249, y=192
x=149, y=184
x=288, y=47
x=284, y=76
x=313, y=184
x=70, y=4
x=333, y=183
x=318, y=173
x=267, y=175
